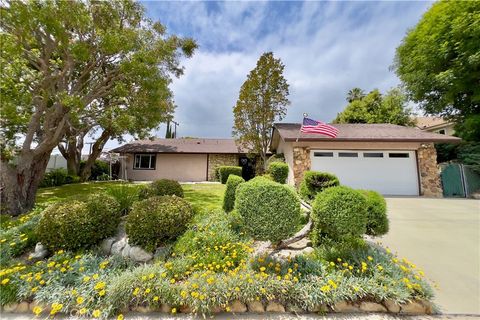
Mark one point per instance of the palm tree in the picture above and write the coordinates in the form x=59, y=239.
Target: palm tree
x=355, y=94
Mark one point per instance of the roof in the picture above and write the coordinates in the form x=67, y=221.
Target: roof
x=181, y=145
x=429, y=122
x=364, y=132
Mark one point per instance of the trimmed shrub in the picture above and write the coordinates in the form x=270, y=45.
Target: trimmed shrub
x=225, y=171
x=233, y=182
x=162, y=187
x=377, y=220
x=157, y=220
x=54, y=178
x=277, y=157
x=270, y=211
x=278, y=171
x=75, y=223
x=339, y=212
x=315, y=182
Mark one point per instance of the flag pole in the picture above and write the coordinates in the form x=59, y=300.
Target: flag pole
x=299, y=131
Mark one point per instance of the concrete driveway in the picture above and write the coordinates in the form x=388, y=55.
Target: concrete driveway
x=441, y=236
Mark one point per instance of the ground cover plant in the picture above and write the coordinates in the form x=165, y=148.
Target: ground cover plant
x=205, y=267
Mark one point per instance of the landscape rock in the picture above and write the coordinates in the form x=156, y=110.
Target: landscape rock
x=414, y=307
x=10, y=307
x=22, y=307
x=118, y=246
x=294, y=309
x=237, y=306
x=106, y=245
x=392, y=306
x=301, y=244
x=319, y=308
x=33, y=304
x=261, y=248
x=307, y=250
x=40, y=253
x=217, y=309
x=162, y=252
x=165, y=308
x=372, y=307
x=344, y=306
x=275, y=307
x=126, y=251
x=138, y=254
x=185, y=309
x=121, y=233
x=255, y=306
x=143, y=309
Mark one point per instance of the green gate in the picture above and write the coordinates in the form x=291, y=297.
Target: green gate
x=452, y=180
x=472, y=179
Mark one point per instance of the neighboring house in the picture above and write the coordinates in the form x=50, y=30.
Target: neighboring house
x=436, y=125
x=391, y=159
x=178, y=159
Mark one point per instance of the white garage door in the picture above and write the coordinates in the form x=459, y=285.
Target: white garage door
x=388, y=172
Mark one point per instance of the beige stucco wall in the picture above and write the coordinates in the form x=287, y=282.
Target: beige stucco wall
x=180, y=167
x=449, y=129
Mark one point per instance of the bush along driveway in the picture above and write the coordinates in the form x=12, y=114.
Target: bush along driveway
x=202, y=259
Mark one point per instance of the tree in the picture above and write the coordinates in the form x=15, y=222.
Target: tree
x=262, y=100
x=378, y=108
x=71, y=67
x=355, y=94
x=438, y=61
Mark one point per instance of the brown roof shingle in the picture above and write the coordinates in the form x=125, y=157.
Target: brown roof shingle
x=364, y=132
x=182, y=145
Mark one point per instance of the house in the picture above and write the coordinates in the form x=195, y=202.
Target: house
x=391, y=159
x=436, y=125
x=183, y=159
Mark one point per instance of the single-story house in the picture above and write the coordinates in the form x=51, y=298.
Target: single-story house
x=183, y=159
x=391, y=159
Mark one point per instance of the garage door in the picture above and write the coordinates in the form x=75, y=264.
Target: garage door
x=388, y=172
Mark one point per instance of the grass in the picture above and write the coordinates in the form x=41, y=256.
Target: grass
x=204, y=196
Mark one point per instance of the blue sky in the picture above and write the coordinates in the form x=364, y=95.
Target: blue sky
x=327, y=48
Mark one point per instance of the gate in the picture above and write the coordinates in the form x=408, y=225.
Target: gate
x=459, y=180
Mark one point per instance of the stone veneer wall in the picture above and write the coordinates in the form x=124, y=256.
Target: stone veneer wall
x=301, y=163
x=430, y=184
x=220, y=159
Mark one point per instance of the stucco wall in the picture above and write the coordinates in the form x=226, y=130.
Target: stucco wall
x=218, y=159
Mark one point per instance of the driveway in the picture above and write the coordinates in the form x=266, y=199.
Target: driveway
x=441, y=236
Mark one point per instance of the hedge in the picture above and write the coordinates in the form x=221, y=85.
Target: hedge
x=225, y=171
x=233, y=182
x=315, y=182
x=157, y=220
x=162, y=187
x=78, y=223
x=270, y=211
x=377, y=220
x=339, y=212
x=278, y=171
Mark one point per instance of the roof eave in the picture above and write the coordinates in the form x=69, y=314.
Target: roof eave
x=446, y=140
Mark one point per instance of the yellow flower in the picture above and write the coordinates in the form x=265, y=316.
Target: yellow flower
x=135, y=292
x=120, y=317
x=369, y=258
x=80, y=300
x=86, y=279
x=174, y=310
x=151, y=276
x=100, y=285
x=210, y=280
x=325, y=288
x=148, y=290
x=380, y=268
x=155, y=298
x=101, y=293
x=95, y=276
x=5, y=281
x=59, y=251
x=262, y=269
x=37, y=310
x=96, y=313
x=82, y=311
x=227, y=309
x=172, y=281
x=237, y=289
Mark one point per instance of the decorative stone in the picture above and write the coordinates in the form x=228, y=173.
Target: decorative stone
x=307, y=250
x=165, y=308
x=143, y=309
x=217, y=309
x=237, y=306
x=126, y=251
x=121, y=233
x=301, y=163
x=10, y=307
x=429, y=307
x=161, y=252
x=33, y=304
x=261, y=248
x=22, y=307
x=255, y=306
x=217, y=159
x=319, y=308
x=185, y=309
x=106, y=245
x=429, y=171
x=118, y=246
x=414, y=307
x=40, y=252
x=138, y=254
x=372, y=307
x=392, y=306
x=301, y=244
x=294, y=309
x=344, y=306
x=275, y=307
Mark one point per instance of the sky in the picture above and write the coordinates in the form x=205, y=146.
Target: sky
x=327, y=48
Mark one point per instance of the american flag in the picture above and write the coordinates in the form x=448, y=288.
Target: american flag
x=312, y=126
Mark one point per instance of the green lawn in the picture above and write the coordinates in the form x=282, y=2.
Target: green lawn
x=204, y=196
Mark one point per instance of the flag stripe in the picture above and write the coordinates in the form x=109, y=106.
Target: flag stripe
x=313, y=126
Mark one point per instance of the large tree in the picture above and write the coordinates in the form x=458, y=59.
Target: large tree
x=377, y=108
x=263, y=99
x=355, y=94
x=438, y=61
x=69, y=67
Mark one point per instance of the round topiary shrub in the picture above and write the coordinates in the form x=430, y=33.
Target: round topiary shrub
x=157, y=220
x=339, y=212
x=377, y=220
x=233, y=182
x=278, y=171
x=315, y=182
x=162, y=187
x=225, y=171
x=78, y=223
x=270, y=211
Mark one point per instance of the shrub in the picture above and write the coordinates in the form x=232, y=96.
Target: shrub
x=277, y=157
x=54, y=178
x=125, y=195
x=233, y=182
x=162, y=187
x=98, y=169
x=278, y=171
x=103, y=177
x=377, y=220
x=315, y=182
x=225, y=171
x=339, y=212
x=74, y=223
x=157, y=220
x=270, y=211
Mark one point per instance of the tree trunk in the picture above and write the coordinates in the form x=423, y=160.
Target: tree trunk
x=19, y=183
x=72, y=152
x=97, y=149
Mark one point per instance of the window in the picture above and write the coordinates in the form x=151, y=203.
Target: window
x=144, y=161
x=348, y=154
x=323, y=154
x=398, y=155
x=373, y=154
x=442, y=131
